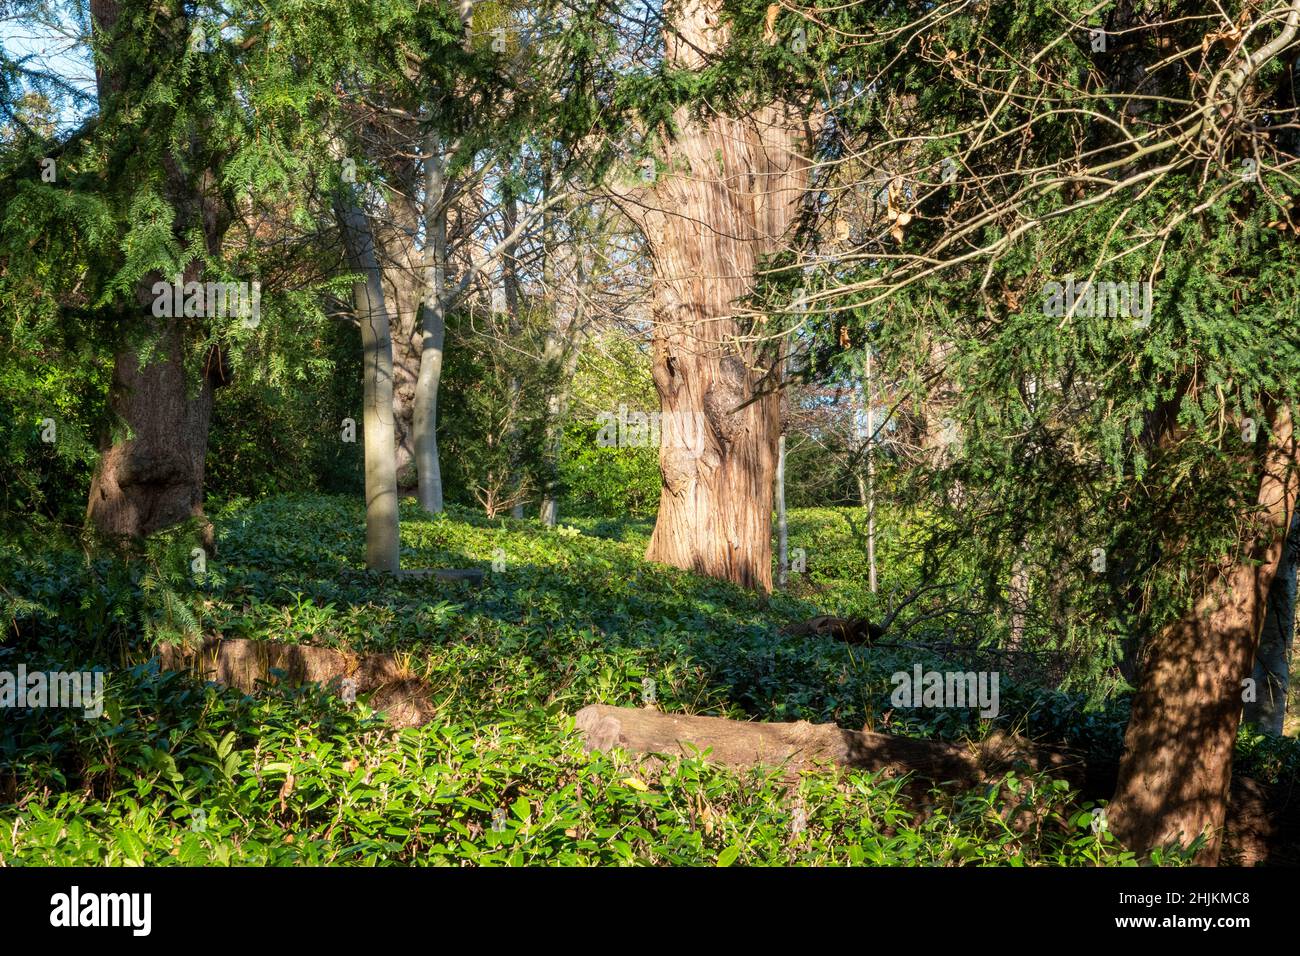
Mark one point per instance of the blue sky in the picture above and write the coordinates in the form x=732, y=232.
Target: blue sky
x=51, y=46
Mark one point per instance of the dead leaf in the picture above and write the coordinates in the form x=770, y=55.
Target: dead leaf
x=769, y=30
x=1230, y=36
x=286, y=790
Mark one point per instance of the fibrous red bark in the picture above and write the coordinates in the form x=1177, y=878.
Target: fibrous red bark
x=152, y=478
x=1177, y=765
x=150, y=472
x=726, y=194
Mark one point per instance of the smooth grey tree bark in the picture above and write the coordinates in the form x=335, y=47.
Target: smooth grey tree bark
x=433, y=322
x=510, y=286
x=438, y=297
x=564, y=341
x=378, y=422
x=782, y=529
x=561, y=352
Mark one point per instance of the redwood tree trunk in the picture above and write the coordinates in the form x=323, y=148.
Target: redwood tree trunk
x=726, y=193
x=1177, y=764
x=150, y=472
x=153, y=477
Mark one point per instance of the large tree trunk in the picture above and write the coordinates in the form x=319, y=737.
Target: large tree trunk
x=1267, y=712
x=718, y=432
x=1177, y=764
x=153, y=478
x=378, y=425
x=727, y=194
x=150, y=471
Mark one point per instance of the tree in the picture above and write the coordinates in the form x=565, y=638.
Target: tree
x=442, y=132
x=151, y=476
x=1127, y=463
x=727, y=190
x=198, y=148
x=383, y=541
x=1190, y=696
x=1272, y=677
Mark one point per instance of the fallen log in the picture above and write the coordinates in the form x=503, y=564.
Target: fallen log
x=804, y=746
x=245, y=664
x=850, y=630
x=1263, y=824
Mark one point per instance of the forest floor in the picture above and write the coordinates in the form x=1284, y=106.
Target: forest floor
x=180, y=771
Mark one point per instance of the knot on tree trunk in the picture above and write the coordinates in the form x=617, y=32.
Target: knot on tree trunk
x=679, y=468
x=145, y=464
x=724, y=400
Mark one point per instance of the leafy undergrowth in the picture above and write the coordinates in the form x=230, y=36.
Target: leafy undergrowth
x=175, y=771
x=195, y=776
